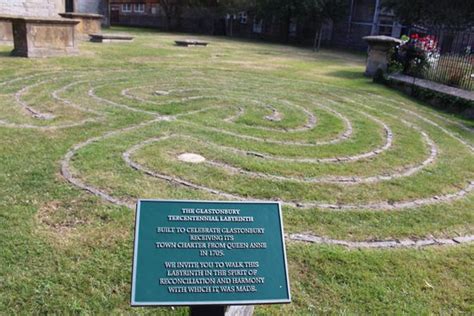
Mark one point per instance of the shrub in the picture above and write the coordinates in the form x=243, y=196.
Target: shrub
x=379, y=76
x=414, y=56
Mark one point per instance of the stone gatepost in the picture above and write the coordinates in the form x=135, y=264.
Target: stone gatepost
x=379, y=52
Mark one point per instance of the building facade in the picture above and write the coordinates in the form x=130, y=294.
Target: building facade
x=152, y=13
x=366, y=17
x=42, y=8
x=90, y=6
x=136, y=13
x=52, y=8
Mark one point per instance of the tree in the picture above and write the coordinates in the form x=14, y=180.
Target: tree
x=172, y=10
x=317, y=11
x=458, y=14
x=321, y=11
x=284, y=10
x=232, y=7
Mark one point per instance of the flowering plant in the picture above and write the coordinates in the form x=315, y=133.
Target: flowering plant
x=428, y=43
x=416, y=54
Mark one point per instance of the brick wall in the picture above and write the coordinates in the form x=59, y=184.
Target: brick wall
x=32, y=7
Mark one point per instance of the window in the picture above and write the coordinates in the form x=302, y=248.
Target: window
x=243, y=17
x=126, y=7
x=385, y=26
x=139, y=7
x=69, y=6
x=257, y=26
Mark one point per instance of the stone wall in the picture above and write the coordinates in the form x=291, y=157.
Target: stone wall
x=94, y=6
x=43, y=8
x=87, y=6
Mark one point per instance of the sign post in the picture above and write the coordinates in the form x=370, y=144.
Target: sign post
x=209, y=255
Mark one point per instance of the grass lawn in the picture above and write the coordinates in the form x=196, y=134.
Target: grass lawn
x=350, y=160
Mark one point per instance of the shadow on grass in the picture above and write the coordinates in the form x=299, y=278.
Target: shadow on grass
x=5, y=51
x=347, y=74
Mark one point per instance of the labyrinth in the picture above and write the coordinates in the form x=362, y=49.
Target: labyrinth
x=354, y=165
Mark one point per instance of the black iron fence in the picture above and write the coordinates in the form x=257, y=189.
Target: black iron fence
x=452, y=69
x=449, y=40
x=449, y=54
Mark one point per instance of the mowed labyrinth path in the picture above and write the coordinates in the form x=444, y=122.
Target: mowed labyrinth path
x=339, y=159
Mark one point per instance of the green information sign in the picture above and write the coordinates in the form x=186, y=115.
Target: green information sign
x=209, y=253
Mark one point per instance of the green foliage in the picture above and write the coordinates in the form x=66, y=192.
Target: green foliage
x=443, y=101
x=283, y=9
x=233, y=6
x=409, y=59
x=315, y=10
x=394, y=66
x=446, y=13
x=320, y=10
x=379, y=76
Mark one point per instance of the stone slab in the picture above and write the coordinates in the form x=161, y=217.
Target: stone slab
x=81, y=15
x=382, y=39
x=110, y=38
x=190, y=42
x=240, y=310
x=191, y=158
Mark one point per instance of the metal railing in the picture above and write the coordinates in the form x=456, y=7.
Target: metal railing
x=452, y=69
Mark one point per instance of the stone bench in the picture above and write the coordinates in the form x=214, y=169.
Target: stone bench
x=187, y=43
x=439, y=95
x=42, y=37
x=88, y=23
x=110, y=38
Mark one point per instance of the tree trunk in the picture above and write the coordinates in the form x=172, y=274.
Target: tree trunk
x=168, y=22
x=318, y=34
x=315, y=41
x=288, y=23
x=317, y=38
x=320, y=37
